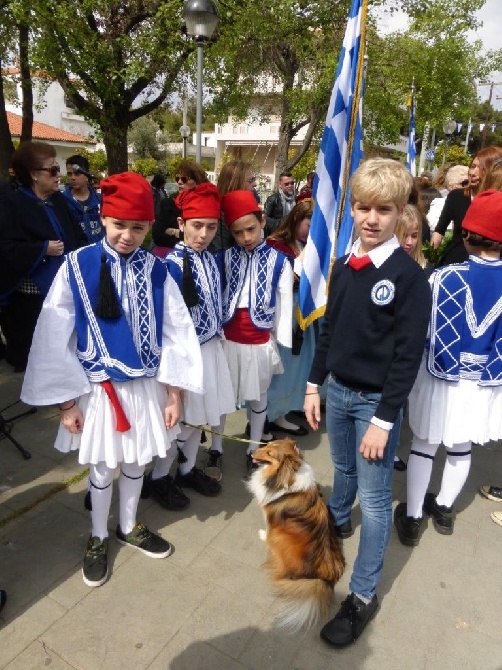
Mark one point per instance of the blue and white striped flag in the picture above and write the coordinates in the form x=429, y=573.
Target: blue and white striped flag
x=339, y=155
x=411, y=155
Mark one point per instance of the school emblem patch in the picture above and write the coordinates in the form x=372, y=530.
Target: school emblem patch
x=383, y=292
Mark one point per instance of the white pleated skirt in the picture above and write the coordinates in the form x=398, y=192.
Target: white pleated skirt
x=143, y=401
x=251, y=368
x=218, y=397
x=454, y=412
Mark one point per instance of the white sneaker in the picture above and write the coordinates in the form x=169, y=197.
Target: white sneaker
x=497, y=517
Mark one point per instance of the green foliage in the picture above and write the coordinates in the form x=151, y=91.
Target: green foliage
x=97, y=160
x=436, y=53
x=451, y=153
x=145, y=166
x=434, y=255
x=306, y=164
x=145, y=136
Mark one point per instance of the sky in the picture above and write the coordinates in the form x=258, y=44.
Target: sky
x=489, y=33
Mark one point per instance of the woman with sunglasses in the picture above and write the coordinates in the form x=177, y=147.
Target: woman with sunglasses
x=165, y=231
x=37, y=229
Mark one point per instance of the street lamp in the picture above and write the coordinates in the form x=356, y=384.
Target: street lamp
x=201, y=17
x=448, y=129
x=185, y=134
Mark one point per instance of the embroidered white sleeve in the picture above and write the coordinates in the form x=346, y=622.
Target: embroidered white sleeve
x=54, y=373
x=181, y=359
x=283, y=327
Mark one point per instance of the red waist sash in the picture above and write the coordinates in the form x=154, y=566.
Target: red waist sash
x=242, y=330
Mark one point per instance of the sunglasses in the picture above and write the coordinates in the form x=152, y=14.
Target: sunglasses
x=251, y=180
x=182, y=179
x=53, y=170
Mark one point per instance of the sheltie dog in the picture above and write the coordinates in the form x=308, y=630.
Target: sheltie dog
x=304, y=557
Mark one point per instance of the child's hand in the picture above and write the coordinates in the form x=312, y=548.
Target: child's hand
x=312, y=408
x=373, y=444
x=172, y=411
x=72, y=419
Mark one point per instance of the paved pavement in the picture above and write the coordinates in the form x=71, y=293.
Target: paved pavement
x=209, y=606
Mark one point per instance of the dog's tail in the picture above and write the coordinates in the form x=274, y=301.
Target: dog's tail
x=303, y=602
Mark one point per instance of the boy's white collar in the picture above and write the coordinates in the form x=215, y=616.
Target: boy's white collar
x=379, y=254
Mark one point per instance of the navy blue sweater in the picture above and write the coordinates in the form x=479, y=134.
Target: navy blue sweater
x=374, y=331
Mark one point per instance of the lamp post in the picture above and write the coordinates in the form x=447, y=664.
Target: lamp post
x=201, y=17
x=448, y=129
x=185, y=134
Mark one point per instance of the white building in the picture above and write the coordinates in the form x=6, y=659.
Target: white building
x=252, y=141
x=63, y=141
x=50, y=105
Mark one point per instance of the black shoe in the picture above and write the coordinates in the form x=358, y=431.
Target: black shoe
x=166, y=492
x=442, y=517
x=198, y=481
x=213, y=465
x=3, y=599
x=144, y=540
x=400, y=465
x=408, y=528
x=266, y=437
x=299, y=431
x=349, y=622
x=344, y=530
x=95, y=568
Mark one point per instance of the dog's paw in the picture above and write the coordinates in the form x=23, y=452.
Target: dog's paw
x=262, y=534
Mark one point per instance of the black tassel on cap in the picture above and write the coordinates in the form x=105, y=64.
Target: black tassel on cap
x=108, y=305
x=190, y=294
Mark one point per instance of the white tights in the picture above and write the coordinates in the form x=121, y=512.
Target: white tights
x=455, y=473
x=130, y=483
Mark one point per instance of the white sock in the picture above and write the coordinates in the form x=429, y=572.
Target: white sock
x=163, y=465
x=419, y=474
x=189, y=450
x=100, y=484
x=455, y=473
x=130, y=484
x=257, y=421
x=217, y=440
x=284, y=423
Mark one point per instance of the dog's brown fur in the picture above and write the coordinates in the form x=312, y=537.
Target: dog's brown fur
x=304, y=558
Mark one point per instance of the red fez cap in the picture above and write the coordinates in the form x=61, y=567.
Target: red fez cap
x=238, y=203
x=127, y=196
x=201, y=202
x=484, y=215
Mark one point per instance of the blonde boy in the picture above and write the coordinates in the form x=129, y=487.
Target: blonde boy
x=370, y=345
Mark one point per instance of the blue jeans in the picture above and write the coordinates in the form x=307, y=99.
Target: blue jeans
x=348, y=414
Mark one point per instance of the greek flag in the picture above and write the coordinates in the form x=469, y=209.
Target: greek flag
x=339, y=155
x=412, y=154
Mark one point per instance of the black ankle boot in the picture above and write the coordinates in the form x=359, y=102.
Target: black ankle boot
x=408, y=528
x=442, y=517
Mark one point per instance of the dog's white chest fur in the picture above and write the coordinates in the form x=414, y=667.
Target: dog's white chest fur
x=304, y=480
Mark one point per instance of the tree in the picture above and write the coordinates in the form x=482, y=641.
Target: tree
x=145, y=137
x=279, y=59
x=434, y=52
x=14, y=20
x=116, y=61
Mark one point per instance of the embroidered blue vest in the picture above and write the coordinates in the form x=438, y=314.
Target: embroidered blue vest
x=128, y=347
x=206, y=316
x=466, y=322
x=265, y=266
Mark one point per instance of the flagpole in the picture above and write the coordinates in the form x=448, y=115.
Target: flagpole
x=339, y=155
x=354, y=118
